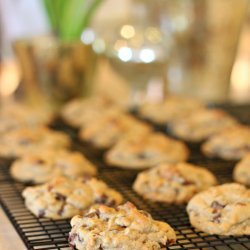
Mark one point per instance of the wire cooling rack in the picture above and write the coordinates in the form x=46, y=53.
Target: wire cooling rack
x=42, y=233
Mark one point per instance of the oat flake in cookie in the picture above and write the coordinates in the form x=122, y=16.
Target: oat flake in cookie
x=222, y=210
x=63, y=198
x=40, y=168
x=123, y=228
x=146, y=150
x=241, y=172
x=230, y=144
x=173, y=183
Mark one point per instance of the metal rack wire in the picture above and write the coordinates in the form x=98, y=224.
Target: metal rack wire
x=42, y=233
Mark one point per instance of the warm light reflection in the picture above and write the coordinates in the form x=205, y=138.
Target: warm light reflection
x=180, y=23
x=153, y=35
x=175, y=78
x=88, y=36
x=9, y=78
x=138, y=40
x=99, y=46
x=127, y=31
x=125, y=54
x=147, y=55
x=155, y=90
x=119, y=44
x=240, y=80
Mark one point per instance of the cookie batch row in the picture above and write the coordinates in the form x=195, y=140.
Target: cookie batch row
x=130, y=143
x=103, y=125
x=69, y=187
x=192, y=121
x=171, y=183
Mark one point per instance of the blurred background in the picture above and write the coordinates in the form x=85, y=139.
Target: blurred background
x=135, y=49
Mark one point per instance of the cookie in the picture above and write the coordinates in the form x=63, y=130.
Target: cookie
x=146, y=150
x=63, y=198
x=222, y=210
x=230, y=144
x=201, y=124
x=124, y=228
x=40, y=168
x=241, y=172
x=112, y=126
x=7, y=124
x=172, y=108
x=26, y=140
x=173, y=183
x=16, y=115
x=78, y=112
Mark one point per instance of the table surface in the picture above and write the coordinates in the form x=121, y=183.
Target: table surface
x=9, y=239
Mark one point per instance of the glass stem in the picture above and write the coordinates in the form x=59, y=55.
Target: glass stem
x=137, y=96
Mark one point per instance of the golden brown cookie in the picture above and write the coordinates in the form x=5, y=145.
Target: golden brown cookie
x=223, y=210
x=40, y=168
x=63, y=198
x=146, y=150
x=173, y=183
x=125, y=227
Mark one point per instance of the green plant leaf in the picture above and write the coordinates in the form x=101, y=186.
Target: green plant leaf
x=69, y=17
x=88, y=17
x=53, y=11
x=74, y=12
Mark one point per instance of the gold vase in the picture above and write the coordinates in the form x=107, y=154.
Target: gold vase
x=54, y=72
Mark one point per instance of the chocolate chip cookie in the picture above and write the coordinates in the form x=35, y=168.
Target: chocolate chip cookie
x=173, y=183
x=63, y=198
x=230, y=144
x=111, y=127
x=26, y=140
x=40, y=168
x=172, y=108
x=241, y=172
x=146, y=150
x=125, y=228
x=222, y=210
x=78, y=112
x=201, y=124
x=15, y=115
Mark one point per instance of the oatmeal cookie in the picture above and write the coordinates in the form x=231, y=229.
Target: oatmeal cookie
x=124, y=228
x=109, y=128
x=230, y=144
x=23, y=141
x=201, y=124
x=40, y=168
x=222, y=210
x=146, y=150
x=17, y=115
x=63, y=198
x=173, y=183
x=172, y=108
x=241, y=172
x=78, y=112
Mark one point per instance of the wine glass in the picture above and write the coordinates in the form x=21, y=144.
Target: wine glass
x=140, y=59
x=137, y=49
